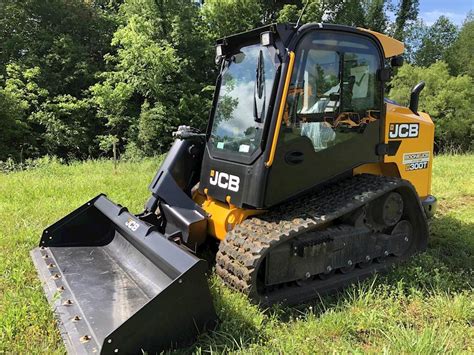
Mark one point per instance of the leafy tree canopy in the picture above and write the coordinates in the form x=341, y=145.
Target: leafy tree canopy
x=436, y=42
x=78, y=76
x=460, y=55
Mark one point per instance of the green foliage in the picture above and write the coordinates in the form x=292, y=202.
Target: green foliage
x=368, y=13
x=51, y=53
x=436, y=42
x=271, y=8
x=12, y=127
x=75, y=73
x=66, y=39
x=156, y=75
x=154, y=128
x=22, y=84
x=376, y=15
x=68, y=126
x=289, y=13
x=107, y=142
x=225, y=17
x=313, y=13
x=20, y=96
x=406, y=12
x=349, y=12
x=460, y=56
x=448, y=99
x=414, y=34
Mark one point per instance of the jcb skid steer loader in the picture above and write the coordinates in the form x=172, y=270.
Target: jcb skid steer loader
x=306, y=175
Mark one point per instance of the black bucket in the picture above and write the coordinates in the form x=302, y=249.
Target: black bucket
x=118, y=286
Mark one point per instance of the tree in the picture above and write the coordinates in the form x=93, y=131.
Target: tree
x=448, y=99
x=348, y=12
x=406, y=12
x=13, y=129
x=225, y=17
x=436, y=42
x=314, y=12
x=375, y=15
x=55, y=47
x=69, y=127
x=460, y=56
x=21, y=96
x=65, y=39
x=414, y=34
x=368, y=13
x=271, y=8
x=156, y=78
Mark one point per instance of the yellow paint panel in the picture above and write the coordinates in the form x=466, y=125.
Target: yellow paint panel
x=223, y=217
x=385, y=169
x=420, y=178
x=391, y=46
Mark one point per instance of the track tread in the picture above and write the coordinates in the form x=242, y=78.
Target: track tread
x=240, y=254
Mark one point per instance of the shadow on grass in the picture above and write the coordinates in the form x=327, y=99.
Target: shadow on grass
x=446, y=267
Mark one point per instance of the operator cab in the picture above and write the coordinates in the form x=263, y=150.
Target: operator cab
x=293, y=108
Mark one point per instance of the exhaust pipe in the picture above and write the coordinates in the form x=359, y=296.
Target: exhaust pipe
x=415, y=96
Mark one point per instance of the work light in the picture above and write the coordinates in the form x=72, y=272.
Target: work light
x=266, y=38
x=219, y=50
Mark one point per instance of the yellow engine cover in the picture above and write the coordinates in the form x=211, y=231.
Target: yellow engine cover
x=413, y=160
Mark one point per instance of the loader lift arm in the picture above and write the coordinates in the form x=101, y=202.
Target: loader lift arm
x=170, y=205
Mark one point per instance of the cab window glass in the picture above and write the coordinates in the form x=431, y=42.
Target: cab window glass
x=334, y=92
x=243, y=101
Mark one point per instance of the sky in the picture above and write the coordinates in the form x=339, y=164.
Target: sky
x=455, y=10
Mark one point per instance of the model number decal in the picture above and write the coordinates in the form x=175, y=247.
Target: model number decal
x=416, y=161
x=416, y=166
x=403, y=130
x=224, y=180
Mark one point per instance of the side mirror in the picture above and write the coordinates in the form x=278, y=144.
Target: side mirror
x=384, y=74
x=397, y=61
x=415, y=96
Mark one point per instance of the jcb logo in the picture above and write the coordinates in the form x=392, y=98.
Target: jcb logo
x=131, y=224
x=224, y=180
x=403, y=130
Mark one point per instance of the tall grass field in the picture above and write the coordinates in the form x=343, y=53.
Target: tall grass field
x=425, y=306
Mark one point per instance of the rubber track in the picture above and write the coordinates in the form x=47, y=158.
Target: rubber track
x=240, y=254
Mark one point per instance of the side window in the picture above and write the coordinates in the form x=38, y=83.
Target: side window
x=334, y=93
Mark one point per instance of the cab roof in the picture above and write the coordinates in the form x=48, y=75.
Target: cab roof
x=391, y=47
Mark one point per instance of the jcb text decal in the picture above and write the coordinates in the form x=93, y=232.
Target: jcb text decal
x=131, y=224
x=224, y=180
x=403, y=130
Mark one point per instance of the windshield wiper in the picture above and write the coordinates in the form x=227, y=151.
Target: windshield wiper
x=259, y=91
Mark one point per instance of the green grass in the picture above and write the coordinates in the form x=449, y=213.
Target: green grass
x=425, y=306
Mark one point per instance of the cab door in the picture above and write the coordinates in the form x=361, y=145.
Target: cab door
x=334, y=111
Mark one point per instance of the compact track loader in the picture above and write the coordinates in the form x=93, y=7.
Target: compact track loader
x=306, y=175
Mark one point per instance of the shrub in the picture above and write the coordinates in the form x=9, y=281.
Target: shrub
x=448, y=99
